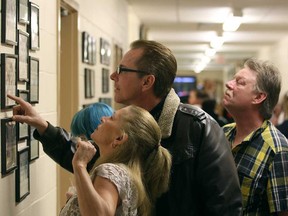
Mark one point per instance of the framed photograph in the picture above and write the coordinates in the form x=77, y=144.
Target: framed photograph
x=23, y=11
x=9, y=22
x=8, y=145
x=117, y=55
x=22, y=177
x=33, y=68
x=93, y=51
x=105, y=80
x=23, y=131
x=33, y=145
x=9, y=69
x=22, y=51
x=107, y=101
x=89, y=84
x=24, y=94
x=105, y=52
x=34, y=30
x=85, y=45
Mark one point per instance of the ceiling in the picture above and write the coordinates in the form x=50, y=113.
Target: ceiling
x=188, y=26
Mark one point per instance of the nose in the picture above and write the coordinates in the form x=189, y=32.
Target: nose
x=229, y=84
x=104, y=118
x=113, y=76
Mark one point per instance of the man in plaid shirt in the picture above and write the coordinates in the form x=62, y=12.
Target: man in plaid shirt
x=259, y=149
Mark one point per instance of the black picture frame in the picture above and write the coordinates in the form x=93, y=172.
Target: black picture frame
x=105, y=52
x=9, y=68
x=22, y=176
x=105, y=100
x=24, y=94
x=33, y=68
x=22, y=131
x=89, y=79
x=22, y=50
x=33, y=28
x=85, y=45
x=9, y=22
x=105, y=80
x=9, y=145
x=33, y=145
x=23, y=11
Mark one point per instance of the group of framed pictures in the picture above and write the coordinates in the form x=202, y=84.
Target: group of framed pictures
x=27, y=13
x=88, y=49
x=14, y=72
x=13, y=159
x=19, y=76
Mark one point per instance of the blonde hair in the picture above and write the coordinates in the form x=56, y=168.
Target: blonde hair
x=147, y=161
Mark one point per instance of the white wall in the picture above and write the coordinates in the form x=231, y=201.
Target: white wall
x=110, y=19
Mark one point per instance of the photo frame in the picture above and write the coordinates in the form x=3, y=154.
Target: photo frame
x=34, y=31
x=33, y=68
x=107, y=101
x=24, y=94
x=105, y=80
x=22, y=177
x=23, y=11
x=89, y=84
x=22, y=131
x=9, y=22
x=85, y=45
x=105, y=52
x=9, y=67
x=33, y=145
x=22, y=51
x=8, y=145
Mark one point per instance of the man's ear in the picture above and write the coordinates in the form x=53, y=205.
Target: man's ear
x=148, y=81
x=260, y=97
x=120, y=140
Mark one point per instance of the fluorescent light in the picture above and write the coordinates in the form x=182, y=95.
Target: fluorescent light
x=217, y=42
x=210, y=52
x=233, y=21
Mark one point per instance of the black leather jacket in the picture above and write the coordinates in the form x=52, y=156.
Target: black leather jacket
x=204, y=179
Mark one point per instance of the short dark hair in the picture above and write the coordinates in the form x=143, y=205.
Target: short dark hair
x=159, y=61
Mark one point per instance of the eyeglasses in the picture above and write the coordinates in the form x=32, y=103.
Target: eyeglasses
x=121, y=69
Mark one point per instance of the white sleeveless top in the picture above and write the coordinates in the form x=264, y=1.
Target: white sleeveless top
x=119, y=176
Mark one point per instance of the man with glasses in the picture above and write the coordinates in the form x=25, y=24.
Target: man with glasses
x=204, y=179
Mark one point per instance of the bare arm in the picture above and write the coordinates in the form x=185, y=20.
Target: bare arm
x=25, y=113
x=95, y=198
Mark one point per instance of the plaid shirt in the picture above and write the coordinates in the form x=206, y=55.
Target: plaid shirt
x=262, y=164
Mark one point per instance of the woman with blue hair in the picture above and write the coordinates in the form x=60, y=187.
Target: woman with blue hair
x=87, y=119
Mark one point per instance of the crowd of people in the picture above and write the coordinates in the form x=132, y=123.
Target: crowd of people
x=158, y=156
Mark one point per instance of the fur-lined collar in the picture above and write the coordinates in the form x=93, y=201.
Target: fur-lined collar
x=169, y=110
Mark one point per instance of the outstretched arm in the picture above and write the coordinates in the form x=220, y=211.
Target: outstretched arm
x=25, y=113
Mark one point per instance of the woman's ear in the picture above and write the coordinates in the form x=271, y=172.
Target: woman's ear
x=120, y=140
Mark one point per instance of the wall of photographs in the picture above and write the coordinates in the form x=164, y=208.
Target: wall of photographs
x=89, y=58
x=19, y=76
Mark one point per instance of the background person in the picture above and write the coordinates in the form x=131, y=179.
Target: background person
x=283, y=127
x=260, y=150
x=204, y=179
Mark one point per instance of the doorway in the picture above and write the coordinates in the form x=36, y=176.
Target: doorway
x=68, y=87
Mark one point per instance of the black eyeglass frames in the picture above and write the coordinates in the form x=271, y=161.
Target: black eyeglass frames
x=121, y=69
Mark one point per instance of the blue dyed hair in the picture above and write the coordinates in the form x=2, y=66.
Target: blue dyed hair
x=86, y=120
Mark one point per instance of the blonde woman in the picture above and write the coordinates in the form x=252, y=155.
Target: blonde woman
x=132, y=171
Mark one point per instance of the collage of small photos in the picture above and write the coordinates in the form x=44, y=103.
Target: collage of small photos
x=19, y=76
x=89, y=54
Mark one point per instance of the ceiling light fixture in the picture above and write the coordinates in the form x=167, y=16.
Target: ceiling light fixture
x=233, y=20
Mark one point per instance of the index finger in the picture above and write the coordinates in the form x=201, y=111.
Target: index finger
x=17, y=99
